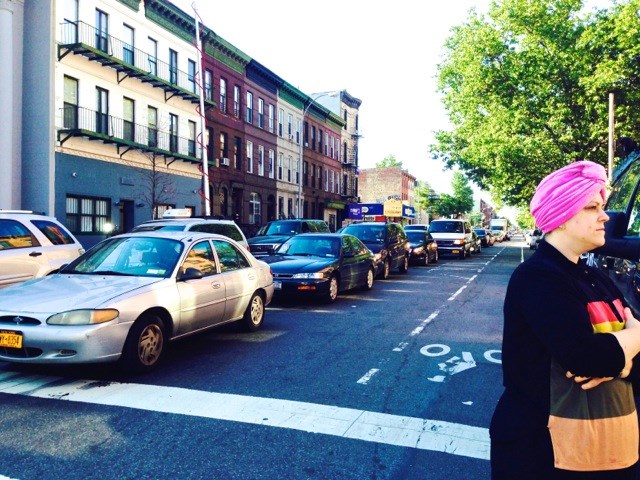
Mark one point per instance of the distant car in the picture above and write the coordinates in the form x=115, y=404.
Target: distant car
x=129, y=295
x=180, y=219
x=321, y=265
x=423, y=247
x=416, y=226
x=486, y=237
x=535, y=238
x=387, y=241
x=476, y=242
x=273, y=234
x=33, y=246
x=453, y=236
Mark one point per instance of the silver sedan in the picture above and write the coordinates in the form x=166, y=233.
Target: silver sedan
x=126, y=297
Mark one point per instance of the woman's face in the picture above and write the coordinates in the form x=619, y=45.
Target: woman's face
x=586, y=228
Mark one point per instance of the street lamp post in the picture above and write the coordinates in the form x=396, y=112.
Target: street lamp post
x=300, y=201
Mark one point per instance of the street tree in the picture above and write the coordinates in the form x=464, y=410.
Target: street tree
x=526, y=90
x=460, y=202
x=389, y=161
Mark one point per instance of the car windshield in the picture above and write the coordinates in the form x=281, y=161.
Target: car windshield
x=310, y=246
x=135, y=256
x=446, y=227
x=367, y=233
x=415, y=236
x=285, y=227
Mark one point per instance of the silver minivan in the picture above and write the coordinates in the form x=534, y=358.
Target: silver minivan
x=454, y=236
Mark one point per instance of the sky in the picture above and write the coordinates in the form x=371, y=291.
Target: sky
x=384, y=53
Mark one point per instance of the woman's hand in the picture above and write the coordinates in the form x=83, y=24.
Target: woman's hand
x=590, y=382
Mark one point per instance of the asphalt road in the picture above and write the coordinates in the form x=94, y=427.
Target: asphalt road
x=396, y=383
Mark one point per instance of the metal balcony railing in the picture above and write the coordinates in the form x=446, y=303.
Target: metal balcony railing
x=127, y=135
x=83, y=39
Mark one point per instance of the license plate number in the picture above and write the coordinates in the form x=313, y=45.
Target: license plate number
x=10, y=339
x=455, y=251
x=277, y=285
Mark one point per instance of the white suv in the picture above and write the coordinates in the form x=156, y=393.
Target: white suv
x=32, y=246
x=181, y=219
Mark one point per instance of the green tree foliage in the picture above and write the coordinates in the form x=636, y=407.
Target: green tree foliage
x=389, y=161
x=460, y=202
x=425, y=196
x=526, y=90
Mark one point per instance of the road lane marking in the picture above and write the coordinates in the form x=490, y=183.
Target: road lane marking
x=367, y=376
x=384, y=428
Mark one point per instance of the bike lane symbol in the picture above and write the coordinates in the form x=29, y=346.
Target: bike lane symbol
x=454, y=364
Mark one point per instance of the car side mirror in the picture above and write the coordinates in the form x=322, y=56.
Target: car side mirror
x=617, y=244
x=190, y=274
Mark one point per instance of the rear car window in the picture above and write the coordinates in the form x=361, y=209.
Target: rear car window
x=219, y=228
x=55, y=233
x=13, y=234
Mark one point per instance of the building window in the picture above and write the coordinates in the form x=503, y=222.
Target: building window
x=153, y=57
x=208, y=85
x=70, y=105
x=249, y=107
x=102, y=111
x=209, y=143
x=128, y=119
x=260, y=113
x=261, y=160
x=87, y=214
x=281, y=207
x=152, y=126
x=192, y=138
x=272, y=161
x=102, y=31
x=280, y=165
x=191, y=75
x=128, y=45
x=249, y=157
x=290, y=126
x=289, y=166
x=173, y=133
x=305, y=173
x=223, y=95
x=71, y=21
x=298, y=130
x=271, y=118
x=173, y=66
x=280, y=122
x=237, y=157
x=254, y=209
x=224, y=146
x=236, y=101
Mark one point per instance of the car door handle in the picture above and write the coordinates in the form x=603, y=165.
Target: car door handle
x=35, y=254
x=216, y=285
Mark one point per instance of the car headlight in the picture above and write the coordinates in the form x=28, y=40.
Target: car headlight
x=309, y=275
x=418, y=250
x=83, y=317
x=458, y=242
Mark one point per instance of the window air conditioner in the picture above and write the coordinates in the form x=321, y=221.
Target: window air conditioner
x=224, y=161
x=291, y=137
x=306, y=144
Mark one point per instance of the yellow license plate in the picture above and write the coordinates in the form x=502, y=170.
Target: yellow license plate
x=10, y=339
x=455, y=251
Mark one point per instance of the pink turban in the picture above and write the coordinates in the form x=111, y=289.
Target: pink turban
x=563, y=193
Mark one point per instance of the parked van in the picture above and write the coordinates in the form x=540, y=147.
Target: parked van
x=454, y=236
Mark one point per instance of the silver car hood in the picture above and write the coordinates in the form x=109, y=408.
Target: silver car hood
x=58, y=293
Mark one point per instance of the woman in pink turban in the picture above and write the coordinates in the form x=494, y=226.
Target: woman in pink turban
x=568, y=348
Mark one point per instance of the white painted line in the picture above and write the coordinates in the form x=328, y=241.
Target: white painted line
x=426, y=321
x=412, y=432
x=453, y=297
x=367, y=376
x=401, y=346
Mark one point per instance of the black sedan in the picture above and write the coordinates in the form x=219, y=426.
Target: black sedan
x=486, y=236
x=423, y=247
x=322, y=265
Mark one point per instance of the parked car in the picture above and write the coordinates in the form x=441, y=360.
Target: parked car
x=453, y=236
x=423, y=247
x=180, y=219
x=322, y=265
x=620, y=256
x=129, y=295
x=387, y=241
x=476, y=242
x=416, y=226
x=33, y=246
x=486, y=237
x=273, y=234
x=534, y=238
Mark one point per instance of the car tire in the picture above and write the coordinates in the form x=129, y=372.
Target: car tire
x=368, y=284
x=404, y=266
x=145, y=344
x=254, y=314
x=463, y=254
x=332, y=293
x=436, y=257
